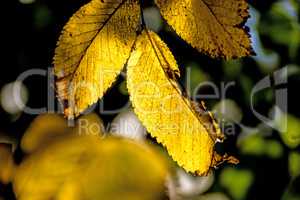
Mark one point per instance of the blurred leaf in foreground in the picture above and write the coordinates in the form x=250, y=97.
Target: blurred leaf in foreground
x=43, y=128
x=86, y=167
x=47, y=128
x=6, y=163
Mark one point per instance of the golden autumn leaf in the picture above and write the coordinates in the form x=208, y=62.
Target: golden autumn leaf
x=87, y=167
x=92, y=50
x=211, y=26
x=189, y=135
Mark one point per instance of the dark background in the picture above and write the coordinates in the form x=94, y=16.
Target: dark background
x=29, y=35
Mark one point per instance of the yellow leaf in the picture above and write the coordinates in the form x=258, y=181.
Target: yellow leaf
x=86, y=167
x=92, y=50
x=211, y=26
x=43, y=129
x=7, y=165
x=189, y=135
x=48, y=128
x=90, y=124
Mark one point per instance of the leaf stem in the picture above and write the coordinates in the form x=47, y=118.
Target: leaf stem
x=142, y=15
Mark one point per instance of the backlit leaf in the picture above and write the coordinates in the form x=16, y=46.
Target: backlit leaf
x=188, y=135
x=92, y=50
x=212, y=26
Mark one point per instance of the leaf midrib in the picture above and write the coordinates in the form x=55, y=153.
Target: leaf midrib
x=91, y=42
x=225, y=30
x=172, y=84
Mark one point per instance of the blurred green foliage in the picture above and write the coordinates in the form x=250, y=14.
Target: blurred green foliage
x=290, y=127
x=237, y=182
x=282, y=27
x=256, y=145
x=294, y=164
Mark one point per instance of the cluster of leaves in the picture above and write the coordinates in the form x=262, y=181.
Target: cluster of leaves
x=275, y=34
x=104, y=36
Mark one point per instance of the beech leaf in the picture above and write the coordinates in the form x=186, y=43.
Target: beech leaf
x=189, y=135
x=92, y=50
x=211, y=26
